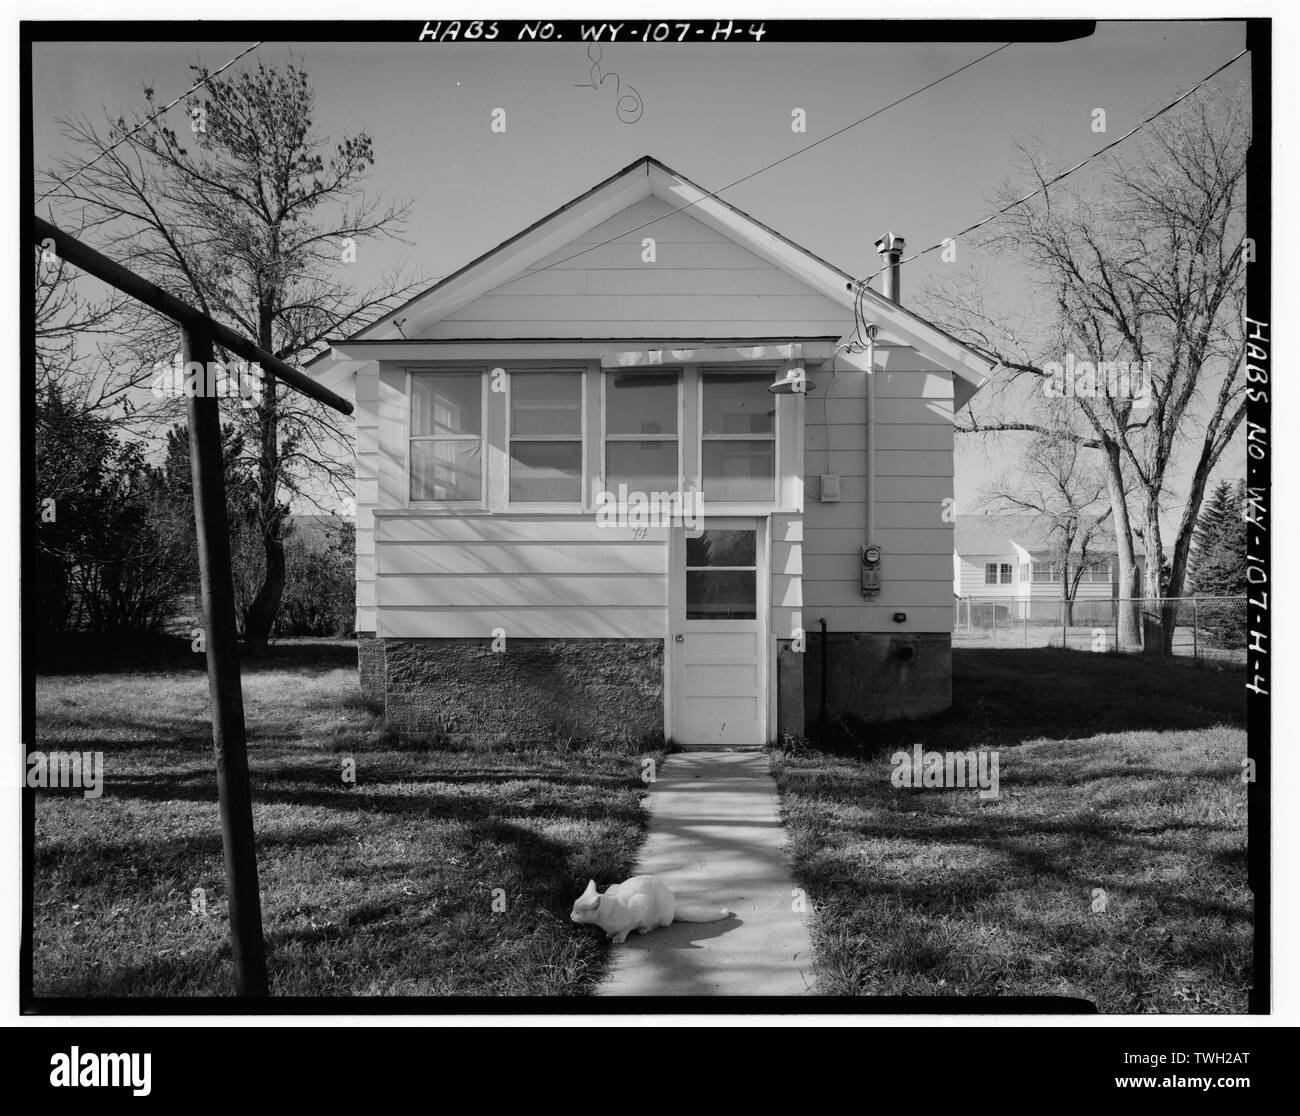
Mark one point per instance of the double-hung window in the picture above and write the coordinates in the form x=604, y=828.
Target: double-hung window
x=641, y=449
x=446, y=437
x=737, y=438
x=546, y=437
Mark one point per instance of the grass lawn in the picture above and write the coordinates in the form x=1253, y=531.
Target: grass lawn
x=1115, y=774
x=382, y=887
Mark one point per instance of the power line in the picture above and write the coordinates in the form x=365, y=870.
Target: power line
x=148, y=120
x=738, y=181
x=861, y=283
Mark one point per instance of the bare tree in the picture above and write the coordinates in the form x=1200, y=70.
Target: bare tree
x=254, y=218
x=1147, y=273
x=1065, y=494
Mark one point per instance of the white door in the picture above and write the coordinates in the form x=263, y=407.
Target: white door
x=718, y=634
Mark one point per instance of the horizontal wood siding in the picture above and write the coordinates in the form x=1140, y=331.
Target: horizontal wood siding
x=446, y=576
x=701, y=284
x=914, y=478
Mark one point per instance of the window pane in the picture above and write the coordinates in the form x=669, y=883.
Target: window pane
x=546, y=403
x=642, y=466
x=742, y=471
x=990, y=573
x=739, y=404
x=640, y=404
x=449, y=470
x=546, y=472
x=721, y=548
x=1006, y=573
x=721, y=595
x=447, y=403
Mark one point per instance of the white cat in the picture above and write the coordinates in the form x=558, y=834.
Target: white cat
x=639, y=904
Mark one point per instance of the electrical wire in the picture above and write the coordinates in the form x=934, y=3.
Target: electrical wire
x=147, y=121
x=862, y=283
x=730, y=185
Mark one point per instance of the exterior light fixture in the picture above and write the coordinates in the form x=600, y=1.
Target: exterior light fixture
x=792, y=383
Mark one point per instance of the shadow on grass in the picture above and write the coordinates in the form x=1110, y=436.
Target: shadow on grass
x=1007, y=697
x=150, y=653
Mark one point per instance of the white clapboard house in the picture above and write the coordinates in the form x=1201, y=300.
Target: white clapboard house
x=1014, y=563
x=619, y=474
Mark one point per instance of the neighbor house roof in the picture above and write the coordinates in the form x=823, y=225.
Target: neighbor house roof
x=648, y=177
x=999, y=534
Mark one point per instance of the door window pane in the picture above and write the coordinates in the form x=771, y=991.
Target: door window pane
x=642, y=466
x=738, y=404
x=739, y=470
x=546, y=472
x=721, y=595
x=714, y=592
x=548, y=403
x=721, y=548
x=450, y=469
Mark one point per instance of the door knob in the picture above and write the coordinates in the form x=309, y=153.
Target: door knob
x=679, y=638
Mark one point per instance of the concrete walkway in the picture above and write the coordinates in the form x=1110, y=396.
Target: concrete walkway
x=716, y=839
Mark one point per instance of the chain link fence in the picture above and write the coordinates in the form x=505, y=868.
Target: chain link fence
x=1209, y=629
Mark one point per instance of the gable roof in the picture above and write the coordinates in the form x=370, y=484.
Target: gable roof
x=648, y=177
x=999, y=534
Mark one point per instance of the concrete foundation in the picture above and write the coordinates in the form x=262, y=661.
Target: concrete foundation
x=876, y=676
x=463, y=691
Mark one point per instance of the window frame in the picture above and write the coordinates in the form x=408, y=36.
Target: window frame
x=687, y=569
x=700, y=438
x=484, y=423
x=508, y=438
x=679, y=373
x=1006, y=573
x=987, y=567
x=1053, y=572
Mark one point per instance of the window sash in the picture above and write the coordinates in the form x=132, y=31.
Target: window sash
x=514, y=438
x=769, y=480
x=608, y=438
x=412, y=439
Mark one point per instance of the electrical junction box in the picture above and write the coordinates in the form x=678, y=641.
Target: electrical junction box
x=870, y=570
x=830, y=488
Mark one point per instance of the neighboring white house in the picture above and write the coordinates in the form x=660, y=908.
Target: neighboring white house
x=516, y=572
x=1016, y=559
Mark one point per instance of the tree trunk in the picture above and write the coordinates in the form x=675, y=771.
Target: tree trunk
x=1157, y=617
x=1127, y=626
x=261, y=614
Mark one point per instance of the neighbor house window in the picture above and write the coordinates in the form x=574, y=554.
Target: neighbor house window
x=738, y=438
x=1100, y=572
x=546, y=437
x=990, y=573
x=1006, y=573
x=641, y=432
x=1024, y=572
x=446, y=448
x=1046, y=571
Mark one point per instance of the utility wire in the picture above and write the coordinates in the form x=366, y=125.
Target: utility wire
x=147, y=121
x=738, y=181
x=861, y=284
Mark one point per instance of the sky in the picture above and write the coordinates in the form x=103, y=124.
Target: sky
x=922, y=170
